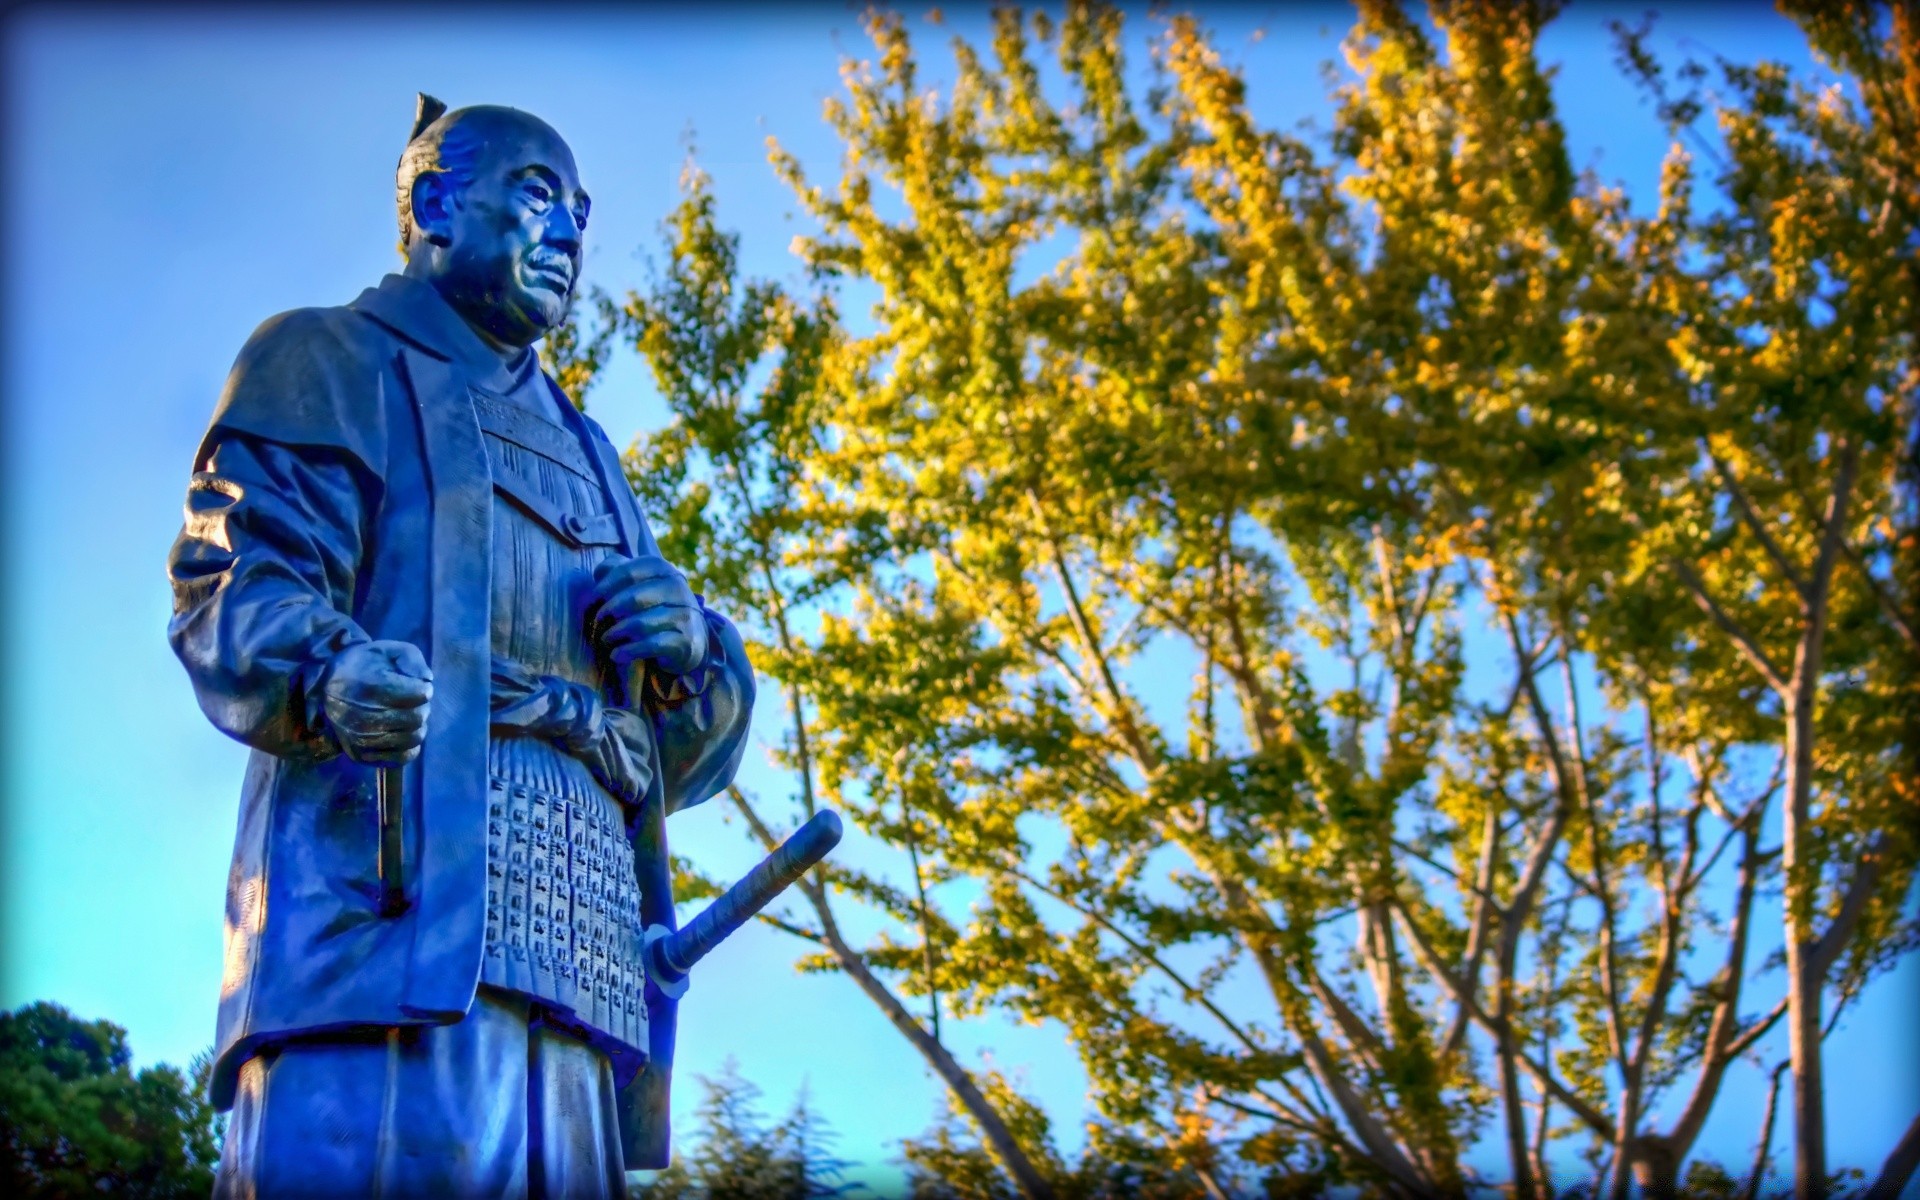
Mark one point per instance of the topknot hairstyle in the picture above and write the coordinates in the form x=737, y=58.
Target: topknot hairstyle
x=434, y=145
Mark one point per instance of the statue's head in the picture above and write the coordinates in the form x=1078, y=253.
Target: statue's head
x=491, y=214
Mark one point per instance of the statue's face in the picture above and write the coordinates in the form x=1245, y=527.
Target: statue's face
x=512, y=235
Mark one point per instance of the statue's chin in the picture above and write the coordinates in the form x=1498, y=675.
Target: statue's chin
x=524, y=316
x=541, y=309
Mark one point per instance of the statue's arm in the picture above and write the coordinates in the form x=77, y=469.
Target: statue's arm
x=263, y=579
x=701, y=718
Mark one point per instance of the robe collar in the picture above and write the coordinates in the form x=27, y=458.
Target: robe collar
x=418, y=314
x=416, y=311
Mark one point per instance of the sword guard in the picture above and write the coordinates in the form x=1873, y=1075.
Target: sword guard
x=672, y=987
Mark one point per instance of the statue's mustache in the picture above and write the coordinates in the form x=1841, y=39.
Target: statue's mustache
x=557, y=262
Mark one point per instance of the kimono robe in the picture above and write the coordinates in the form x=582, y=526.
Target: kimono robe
x=364, y=512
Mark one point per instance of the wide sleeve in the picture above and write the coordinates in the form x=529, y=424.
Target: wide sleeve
x=263, y=577
x=701, y=719
x=314, y=378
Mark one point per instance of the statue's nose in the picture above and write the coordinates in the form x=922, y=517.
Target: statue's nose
x=563, y=232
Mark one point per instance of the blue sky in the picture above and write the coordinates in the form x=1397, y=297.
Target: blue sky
x=175, y=178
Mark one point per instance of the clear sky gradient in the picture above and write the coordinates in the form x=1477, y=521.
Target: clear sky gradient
x=174, y=178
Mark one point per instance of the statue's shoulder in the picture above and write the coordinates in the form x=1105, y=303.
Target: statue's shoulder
x=311, y=377
x=304, y=338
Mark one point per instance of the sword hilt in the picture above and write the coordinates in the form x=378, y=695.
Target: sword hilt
x=672, y=953
x=391, y=863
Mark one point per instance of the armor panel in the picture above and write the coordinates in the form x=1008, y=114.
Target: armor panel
x=563, y=905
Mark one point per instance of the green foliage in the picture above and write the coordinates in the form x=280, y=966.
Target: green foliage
x=1708, y=1180
x=574, y=356
x=77, y=1120
x=948, y=1163
x=736, y=1155
x=1325, y=425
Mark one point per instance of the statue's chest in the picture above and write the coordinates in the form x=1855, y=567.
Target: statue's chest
x=553, y=523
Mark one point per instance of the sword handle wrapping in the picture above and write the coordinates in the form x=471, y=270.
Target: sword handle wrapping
x=671, y=955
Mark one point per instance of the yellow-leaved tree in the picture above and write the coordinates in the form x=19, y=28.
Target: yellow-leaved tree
x=1532, y=561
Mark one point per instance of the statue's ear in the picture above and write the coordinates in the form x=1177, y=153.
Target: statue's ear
x=432, y=201
x=426, y=110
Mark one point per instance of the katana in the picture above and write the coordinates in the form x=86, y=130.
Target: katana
x=671, y=953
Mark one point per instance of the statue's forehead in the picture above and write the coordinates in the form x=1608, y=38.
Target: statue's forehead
x=519, y=142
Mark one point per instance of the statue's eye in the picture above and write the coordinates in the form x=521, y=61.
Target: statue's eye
x=539, y=193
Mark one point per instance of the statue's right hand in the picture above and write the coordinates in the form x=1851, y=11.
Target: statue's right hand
x=377, y=696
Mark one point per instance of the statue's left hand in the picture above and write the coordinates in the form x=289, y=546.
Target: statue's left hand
x=642, y=608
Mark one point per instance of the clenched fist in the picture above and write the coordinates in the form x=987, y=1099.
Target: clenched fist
x=641, y=608
x=377, y=696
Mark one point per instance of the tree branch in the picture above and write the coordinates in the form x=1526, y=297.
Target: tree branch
x=1722, y=1047
x=1123, y=716
x=1832, y=537
x=1485, y=909
x=1590, y=1116
x=799, y=931
x=1755, y=656
x=1187, y=989
x=993, y=1127
x=1744, y=504
x=1902, y=624
x=1757, y=1030
x=1762, y=1151
x=1826, y=950
x=1899, y=1167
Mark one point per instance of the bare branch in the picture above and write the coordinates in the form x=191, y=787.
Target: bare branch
x=798, y=931
x=1902, y=624
x=1742, y=640
x=1592, y=1117
x=1899, y=1167
x=1826, y=950
x=993, y=1127
x=1757, y=1030
x=1751, y=516
x=1762, y=1148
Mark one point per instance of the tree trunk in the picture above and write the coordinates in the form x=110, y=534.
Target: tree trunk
x=1510, y=1098
x=1807, y=963
x=1655, y=1168
x=1803, y=974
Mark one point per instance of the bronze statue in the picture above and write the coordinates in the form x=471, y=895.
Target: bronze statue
x=414, y=579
